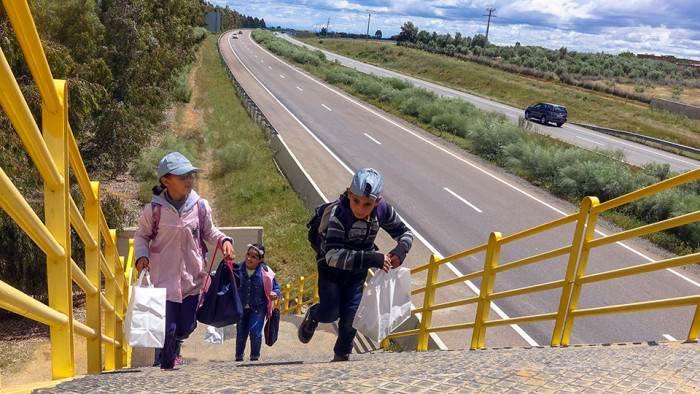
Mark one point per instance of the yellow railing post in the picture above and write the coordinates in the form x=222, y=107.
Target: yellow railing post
x=57, y=218
x=300, y=295
x=119, y=307
x=580, y=271
x=428, y=301
x=111, y=296
x=487, y=281
x=695, y=325
x=316, y=287
x=92, y=271
x=571, y=268
x=285, y=304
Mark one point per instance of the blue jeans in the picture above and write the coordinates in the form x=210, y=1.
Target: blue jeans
x=251, y=323
x=180, y=321
x=339, y=300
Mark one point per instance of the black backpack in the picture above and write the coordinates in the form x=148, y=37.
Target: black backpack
x=319, y=224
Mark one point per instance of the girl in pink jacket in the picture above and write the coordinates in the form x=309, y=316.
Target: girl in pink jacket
x=169, y=244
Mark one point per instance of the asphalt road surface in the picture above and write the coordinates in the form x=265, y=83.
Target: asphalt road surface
x=636, y=154
x=453, y=201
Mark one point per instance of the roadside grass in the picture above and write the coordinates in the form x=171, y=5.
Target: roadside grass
x=249, y=190
x=560, y=168
x=584, y=106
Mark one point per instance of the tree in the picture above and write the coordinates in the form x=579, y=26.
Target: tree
x=408, y=33
x=378, y=34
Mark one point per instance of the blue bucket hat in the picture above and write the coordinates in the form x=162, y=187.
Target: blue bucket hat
x=177, y=164
x=367, y=182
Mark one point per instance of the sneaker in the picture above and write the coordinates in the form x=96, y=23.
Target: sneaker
x=178, y=361
x=307, y=327
x=239, y=358
x=253, y=359
x=340, y=357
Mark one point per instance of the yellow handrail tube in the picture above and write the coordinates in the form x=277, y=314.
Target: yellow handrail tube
x=15, y=301
x=12, y=202
x=21, y=117
x=21, y=18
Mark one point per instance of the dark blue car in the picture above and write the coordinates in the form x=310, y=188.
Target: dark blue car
x=547, y=112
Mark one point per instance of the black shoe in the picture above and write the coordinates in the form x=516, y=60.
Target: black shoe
x=307, y=328
x=340, y=357
x=239, y=358
x=253, y=359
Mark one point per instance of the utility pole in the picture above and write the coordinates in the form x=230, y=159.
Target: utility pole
x=327, y=26
x=488, y=24
x=369, y=16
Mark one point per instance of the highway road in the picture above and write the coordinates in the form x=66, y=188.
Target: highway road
x=453, y=201
x=635, y=153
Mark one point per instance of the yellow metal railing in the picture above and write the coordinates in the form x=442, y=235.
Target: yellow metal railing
x=54, y=152
x=569, y=285
x=292, y=297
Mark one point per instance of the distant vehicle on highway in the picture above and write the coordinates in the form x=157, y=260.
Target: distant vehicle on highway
x=547, y=112
x=240, y=32
x=234, y=36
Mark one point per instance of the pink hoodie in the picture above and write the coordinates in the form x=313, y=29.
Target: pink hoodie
x=175, y=257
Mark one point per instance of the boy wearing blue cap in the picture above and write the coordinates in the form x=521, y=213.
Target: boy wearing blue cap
x=348, y=251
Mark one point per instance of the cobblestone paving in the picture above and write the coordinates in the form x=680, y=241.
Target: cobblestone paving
x=667, y=367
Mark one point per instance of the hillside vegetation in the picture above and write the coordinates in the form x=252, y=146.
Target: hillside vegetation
x=124, y=62
x=584, y=106
x=565, y=170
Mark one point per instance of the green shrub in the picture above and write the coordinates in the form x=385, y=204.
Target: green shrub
x=368, y=86
x=397, y=83
x=603, y=179
x=490, y=134
x=428, y=110
x=452, y=123
x=342, y=75
x=411, y=105
x=231, y=157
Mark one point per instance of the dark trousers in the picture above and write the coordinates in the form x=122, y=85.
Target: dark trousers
x=251, y=324
x=180, y=321
x=339, y=300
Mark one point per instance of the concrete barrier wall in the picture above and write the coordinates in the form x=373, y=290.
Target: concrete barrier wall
x=297, y=177
x=690, y=111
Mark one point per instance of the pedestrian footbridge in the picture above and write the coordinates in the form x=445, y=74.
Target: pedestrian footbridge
x=405, y=361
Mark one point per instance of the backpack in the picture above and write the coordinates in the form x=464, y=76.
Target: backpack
x=155, y=208
x=319, y=222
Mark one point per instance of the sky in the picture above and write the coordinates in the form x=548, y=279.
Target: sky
x=660, y=27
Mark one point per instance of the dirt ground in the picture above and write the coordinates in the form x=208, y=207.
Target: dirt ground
x=25, y=348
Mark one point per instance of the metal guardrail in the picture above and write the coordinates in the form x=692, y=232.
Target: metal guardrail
x=54, y=153
x=641, y=137
x=255, y=113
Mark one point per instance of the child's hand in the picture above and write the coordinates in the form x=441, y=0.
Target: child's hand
x=227, y=249
x=387, y=263
x=142, y=264
x=395, y=262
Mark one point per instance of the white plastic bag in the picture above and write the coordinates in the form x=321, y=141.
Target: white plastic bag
x=385, y=305
x=144, y=322
x=214, y=335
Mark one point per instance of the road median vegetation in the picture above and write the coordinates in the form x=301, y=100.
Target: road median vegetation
x=562, y=169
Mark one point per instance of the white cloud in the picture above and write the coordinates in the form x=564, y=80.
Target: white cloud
x=647, y=26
